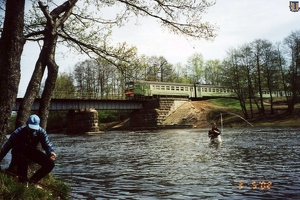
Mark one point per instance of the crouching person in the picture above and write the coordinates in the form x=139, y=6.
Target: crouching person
x=23, y=145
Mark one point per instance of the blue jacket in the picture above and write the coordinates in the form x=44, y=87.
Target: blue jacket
x=21, y=137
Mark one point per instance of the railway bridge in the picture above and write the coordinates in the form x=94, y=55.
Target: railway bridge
x=82, y=116
x=79, y=104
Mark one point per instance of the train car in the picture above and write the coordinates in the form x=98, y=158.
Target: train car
x=136, y=90
x=166, y=89
x=212, y=91
x=152, y=89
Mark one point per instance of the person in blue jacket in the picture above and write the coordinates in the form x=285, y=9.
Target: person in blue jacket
x=23, y=145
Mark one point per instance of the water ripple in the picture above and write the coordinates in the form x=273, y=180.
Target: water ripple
x=180, y=164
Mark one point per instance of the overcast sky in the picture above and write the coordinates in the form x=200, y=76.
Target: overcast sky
x=239, y=22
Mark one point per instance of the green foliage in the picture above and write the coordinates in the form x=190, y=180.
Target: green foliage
x=232, y=104
x=105, y=116
x=51, y=189
x=57, y=120
x=64, y=87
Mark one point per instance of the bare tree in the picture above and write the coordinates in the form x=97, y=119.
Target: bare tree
x=235, y=79
x=292, y=43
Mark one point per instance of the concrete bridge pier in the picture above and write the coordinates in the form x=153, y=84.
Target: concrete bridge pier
x=83, y=121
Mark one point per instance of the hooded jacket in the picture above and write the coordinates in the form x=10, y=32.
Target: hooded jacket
x=21, y=137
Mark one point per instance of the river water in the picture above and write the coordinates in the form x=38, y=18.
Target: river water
x=253, y=163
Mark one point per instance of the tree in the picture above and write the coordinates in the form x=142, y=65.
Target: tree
x=292, y=43
x=11, y=48
x=88, y=32
x=257, y=49
x=195, y=67
x=64, y=87
x=212, y=72
x=235, y=78
x=54, y=20
x=159, y=69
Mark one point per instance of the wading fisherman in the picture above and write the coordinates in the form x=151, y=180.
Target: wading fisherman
x=23, y=143
x=214, y=134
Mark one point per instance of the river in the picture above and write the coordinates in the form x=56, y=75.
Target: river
x=252, y=163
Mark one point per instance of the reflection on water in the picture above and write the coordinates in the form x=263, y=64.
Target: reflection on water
x=260, y=163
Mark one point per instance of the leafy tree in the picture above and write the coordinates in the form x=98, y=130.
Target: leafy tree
x=64, y=87
x=180, y=73
x=212, y=72
x=195, y=68
x=50, y=26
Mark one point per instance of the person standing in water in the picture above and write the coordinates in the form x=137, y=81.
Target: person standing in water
x=214, y=134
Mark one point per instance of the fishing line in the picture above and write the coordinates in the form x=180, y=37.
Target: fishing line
x=230, y=113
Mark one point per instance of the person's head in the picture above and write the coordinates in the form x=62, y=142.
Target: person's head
x=213, y=125
x=33, y=122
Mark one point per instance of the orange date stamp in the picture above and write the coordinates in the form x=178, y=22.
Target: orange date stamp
x=256, y=185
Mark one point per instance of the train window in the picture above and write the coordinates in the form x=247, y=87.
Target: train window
x=172, y=88
x=217, y=90
x=181, y=88
x=162, y=87
x=157, y=87
x=167, y=87
x=186, y=89
x=213, y=90
x=177, y=88
x=205, y=89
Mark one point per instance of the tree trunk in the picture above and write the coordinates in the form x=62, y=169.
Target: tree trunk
x=46, y=58
x=49, y=88
x=11, y=47
x=32, y=91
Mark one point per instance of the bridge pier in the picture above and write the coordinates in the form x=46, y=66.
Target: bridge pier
x=145, y=118
x=82, y=121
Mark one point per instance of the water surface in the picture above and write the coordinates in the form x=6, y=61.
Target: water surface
x=256, y=163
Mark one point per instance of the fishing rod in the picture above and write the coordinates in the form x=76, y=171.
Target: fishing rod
x=230, y=113
x=234, y=115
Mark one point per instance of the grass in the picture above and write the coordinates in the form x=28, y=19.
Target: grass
x=231, y=104
x=52, y=189
x=282, y=119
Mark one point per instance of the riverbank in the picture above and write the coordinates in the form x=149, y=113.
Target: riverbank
x=50, y=189
x=199, y=114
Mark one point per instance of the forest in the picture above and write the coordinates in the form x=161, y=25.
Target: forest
x=253, y=68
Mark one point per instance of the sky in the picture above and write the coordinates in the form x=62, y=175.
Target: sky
x=239, y=22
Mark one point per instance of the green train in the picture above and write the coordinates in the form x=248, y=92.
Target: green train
x=152, y=89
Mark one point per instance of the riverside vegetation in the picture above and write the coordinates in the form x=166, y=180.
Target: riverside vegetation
x=51, y=189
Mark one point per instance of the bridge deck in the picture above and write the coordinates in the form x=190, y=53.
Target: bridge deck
x=76, y=104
